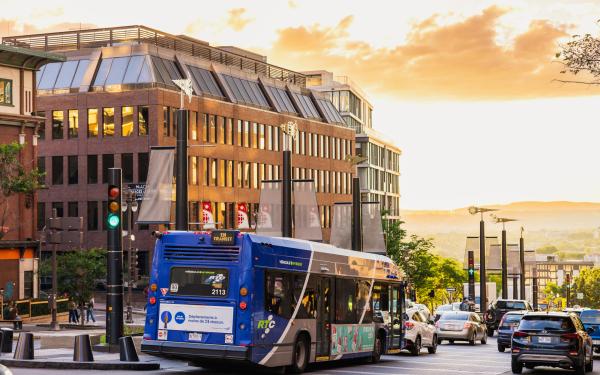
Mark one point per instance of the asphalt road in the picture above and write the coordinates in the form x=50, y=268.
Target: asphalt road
x=456, y=359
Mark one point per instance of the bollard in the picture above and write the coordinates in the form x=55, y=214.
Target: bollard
x=5, y=371
x=1, y=340
x=83, y=349
x=127, y=350
x=24, y=348
x=6, y=345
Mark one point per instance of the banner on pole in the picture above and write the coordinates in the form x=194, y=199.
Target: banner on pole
x=208, y=219
x=242, y=216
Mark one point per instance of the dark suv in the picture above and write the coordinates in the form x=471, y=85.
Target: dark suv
x=496, y=312
x=508, y=324
x=552, y=339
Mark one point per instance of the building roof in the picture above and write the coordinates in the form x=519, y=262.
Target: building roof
x=19, y=57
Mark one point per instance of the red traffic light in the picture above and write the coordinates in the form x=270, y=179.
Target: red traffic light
x=113, y=192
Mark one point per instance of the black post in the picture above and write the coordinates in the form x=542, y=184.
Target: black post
x=286, y=191
x=471, y=272
x=356, y=216
x=504, y=267
x=54, y=325
x=114, y=288
x=482, y=276
x=534, y=289
x=181, y=187
x=522, y=263
x=515, y=287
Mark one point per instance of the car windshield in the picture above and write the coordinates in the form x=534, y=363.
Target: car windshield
x=513, y=305
x=590, y=317
x=546, y=323
x=510, y=319
x=455, y=316
x=444, y=308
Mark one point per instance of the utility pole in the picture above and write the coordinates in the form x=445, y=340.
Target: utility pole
x=522, y=264
x=130, y=206
x=504, y=220
x=181, y=187
x=290, y=132
x=534, y=288
x=482, y=274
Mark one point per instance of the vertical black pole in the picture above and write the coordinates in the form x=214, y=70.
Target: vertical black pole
x=534, y=289
x=181, y=187
x=482, y=276
x=504, y=267
x=114, y=288
x=522, y=264
x=515, y=287
x=356, y=216
x=286, y=191
x=54, y=325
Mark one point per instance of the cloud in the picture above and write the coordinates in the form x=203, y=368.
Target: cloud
x=9, y=27
x=236, y=19
x=460, y=60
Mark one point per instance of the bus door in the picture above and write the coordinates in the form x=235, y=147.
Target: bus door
x=396, y=315
x=324, y=315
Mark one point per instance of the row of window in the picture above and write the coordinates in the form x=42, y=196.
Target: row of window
x=379, y=156
x=100, y=122
x=240, y=174
x=108, y=161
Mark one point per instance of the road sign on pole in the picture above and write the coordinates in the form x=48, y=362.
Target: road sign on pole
x=579, y=296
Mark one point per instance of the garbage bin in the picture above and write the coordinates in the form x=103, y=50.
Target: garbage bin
x=6, y=346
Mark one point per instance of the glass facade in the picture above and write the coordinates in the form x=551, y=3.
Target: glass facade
x=281, y=100
x=62, y=75
x=126, y=121
x=245, y=91
x=92, y=122
x=73, y=123
x=108, y=122
x=205, y=82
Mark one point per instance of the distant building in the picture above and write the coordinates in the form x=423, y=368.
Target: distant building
x=19, y=251
x=380, y=173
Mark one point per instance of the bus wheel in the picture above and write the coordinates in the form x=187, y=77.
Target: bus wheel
x=300, y=355
x=378, y=350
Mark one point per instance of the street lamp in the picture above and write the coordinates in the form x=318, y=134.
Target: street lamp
x=482, y=276
x=130, y=206
x=522, y=263
x=504, y=220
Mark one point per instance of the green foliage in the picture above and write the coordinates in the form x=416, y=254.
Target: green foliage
x=424, y=270
x=553, y=290
x=548, y=249
x=588, y=283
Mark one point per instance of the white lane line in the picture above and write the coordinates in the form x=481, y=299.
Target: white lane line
x=439, y=363
x=420, y=370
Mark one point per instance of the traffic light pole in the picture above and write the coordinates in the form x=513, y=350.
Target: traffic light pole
x=504, y=267
x=54, y=325
x=181, y=187
x=114, y=289
x=522, y=264
x=356, y=216
x=482, y=275
x=534, y=288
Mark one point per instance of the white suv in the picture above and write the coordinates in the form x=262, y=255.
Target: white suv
x=419, y=332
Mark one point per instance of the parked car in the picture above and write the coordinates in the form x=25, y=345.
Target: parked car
x=575, y=310
x=494, y=314
x=423, y=309
x=555, y=339
x=510, y=321
x=420, y=332
x=461, y=326
x=591, y=322
x=443, y=308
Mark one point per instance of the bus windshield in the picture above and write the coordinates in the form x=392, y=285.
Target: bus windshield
x=590, y=317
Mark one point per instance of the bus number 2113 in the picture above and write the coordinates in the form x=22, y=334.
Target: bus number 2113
x=218, y=292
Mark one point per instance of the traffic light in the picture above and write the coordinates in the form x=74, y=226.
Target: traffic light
x=568, y=278
x=113, y=219
x=471, y=272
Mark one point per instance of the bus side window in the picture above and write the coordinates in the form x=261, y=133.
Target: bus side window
x=380, y=303
x=276, y=285
x=308, y=307
x=345, y=301
x=362, y=298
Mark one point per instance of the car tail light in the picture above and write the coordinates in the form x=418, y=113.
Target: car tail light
x=243, y=305
x=437, y=324
x=568, y=337
x=409, y=325
x=467, y=325
x=520, y=334
x=152, y=300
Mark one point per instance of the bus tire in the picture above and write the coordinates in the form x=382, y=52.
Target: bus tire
x=300, y=355
x=378, y=349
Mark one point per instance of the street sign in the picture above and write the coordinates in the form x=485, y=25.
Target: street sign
x=579, y=295
x=450, y=290
x=138, y=190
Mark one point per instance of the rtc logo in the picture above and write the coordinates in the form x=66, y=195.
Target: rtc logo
x=266, y=324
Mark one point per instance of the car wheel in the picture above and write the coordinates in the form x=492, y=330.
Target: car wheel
x=529, y=367
x=433, y=348
x=484, y=339
x=416, y=348
x=439, y=341
x=501, y=348
x=490, y=332
x=300, y=355
x=472, y=340
x=378, y=350
x=590, y=366
x=451, y=341
x=516, y=367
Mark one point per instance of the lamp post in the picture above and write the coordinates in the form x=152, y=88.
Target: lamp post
x=522, y=264
x=290, y=132
x=130, y=206
x=482, y=276
x=504, y=220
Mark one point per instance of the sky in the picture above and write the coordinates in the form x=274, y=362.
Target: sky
x=467, y=89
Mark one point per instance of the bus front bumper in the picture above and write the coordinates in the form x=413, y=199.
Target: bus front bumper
x=189, y=350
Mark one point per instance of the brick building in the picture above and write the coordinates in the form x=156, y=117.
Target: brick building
x=19, y=252
x=113, y=99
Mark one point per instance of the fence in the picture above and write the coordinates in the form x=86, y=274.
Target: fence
x=37, y=308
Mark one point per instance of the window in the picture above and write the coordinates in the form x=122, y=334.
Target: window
x=58, y=206
x=362, y=301
x=108, y=122
x=221, y=129
x=142, y=166
x=108, y=161
x=57, y=124
x=73, y=123
x=221, y=173
x=247, y=134
x=229, y=131
x=229, y=173
x=92, y=122
x=380, y=303
x=193, y=170
x=239, y=133
x=126, y=121
x=57, y=170
x=27, y=284
x=193, y=126
x=254, y=135
x=309, y=303
x=72, y=209
x=277, y=296
x=166, y=121
x=213, y=172
x=41, y=215
x=127, y=166
x=261, y=136
x=41, y=166
x=143, y=116
x=92, y=215
x=205, y=282
x=73, y=169
x=92, y=169
x=345, y=301
x=212, y=129
x=6, y=92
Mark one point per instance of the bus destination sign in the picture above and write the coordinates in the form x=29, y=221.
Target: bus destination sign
x=223, y=237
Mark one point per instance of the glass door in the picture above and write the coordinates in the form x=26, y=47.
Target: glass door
x=324, y=316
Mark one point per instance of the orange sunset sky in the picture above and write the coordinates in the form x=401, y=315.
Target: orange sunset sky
x=464, y=88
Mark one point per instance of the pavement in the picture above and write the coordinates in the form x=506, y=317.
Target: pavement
x=455, y=359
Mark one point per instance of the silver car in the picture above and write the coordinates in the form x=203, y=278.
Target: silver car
x=461, y=326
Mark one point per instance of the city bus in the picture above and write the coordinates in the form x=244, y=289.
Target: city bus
x=270, y=301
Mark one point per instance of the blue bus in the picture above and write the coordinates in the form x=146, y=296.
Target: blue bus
x=275, y=302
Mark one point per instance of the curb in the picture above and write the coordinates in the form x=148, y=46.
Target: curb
x=104, y=365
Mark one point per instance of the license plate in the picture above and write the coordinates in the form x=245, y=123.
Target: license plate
x=545, y=340
x=195, y=336
x=596, y=342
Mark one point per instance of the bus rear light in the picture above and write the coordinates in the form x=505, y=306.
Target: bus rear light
x=152, y=300
x=409, y=325
x=242, y=326
x=153, y=287
x=243, y=305
x=243, y=292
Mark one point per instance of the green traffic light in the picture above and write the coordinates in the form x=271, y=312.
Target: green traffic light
x=471, y=271
x=113, y=221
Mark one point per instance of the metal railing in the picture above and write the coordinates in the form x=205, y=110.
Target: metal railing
x=137, y=34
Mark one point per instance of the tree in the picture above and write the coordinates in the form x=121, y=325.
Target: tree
x=581, y=55
x=588, y=283
x=77, y=273
x=14, y=179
